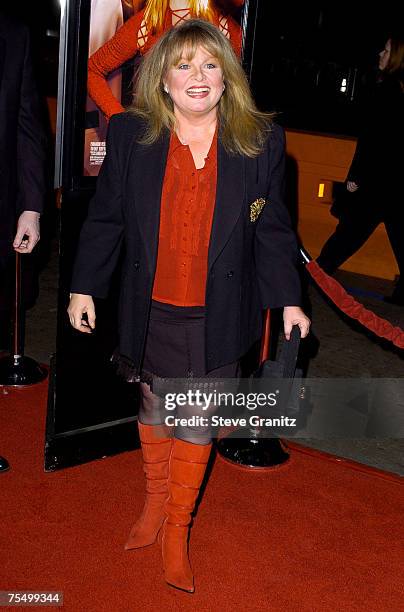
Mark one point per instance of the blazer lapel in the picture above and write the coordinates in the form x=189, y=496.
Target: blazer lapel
x=230, y=191
x=145, y=182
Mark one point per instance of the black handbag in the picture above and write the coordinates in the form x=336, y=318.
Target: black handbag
x=292, y=396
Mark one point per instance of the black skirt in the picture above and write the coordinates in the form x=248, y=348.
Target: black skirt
x=175, y=345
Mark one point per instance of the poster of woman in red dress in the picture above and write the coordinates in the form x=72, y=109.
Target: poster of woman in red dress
x=121, y=32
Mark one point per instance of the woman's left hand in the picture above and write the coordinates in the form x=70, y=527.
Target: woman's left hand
x=294, y=315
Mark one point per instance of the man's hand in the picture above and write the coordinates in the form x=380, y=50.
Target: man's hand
x=80, y=304
x=294, y=315
x=28, y=224
x=352, y=186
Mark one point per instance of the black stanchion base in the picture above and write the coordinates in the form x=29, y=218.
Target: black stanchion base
x=252, y=452
x=4, y=465
x=20, y=371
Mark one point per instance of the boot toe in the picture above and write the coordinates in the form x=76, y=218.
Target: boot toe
x=139, y=542
x=179, y=583
x=180, y=578
x=177, y=569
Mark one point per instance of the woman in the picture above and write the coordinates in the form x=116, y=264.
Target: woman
x=376, y=172
x=191, y=183
x=139, y=34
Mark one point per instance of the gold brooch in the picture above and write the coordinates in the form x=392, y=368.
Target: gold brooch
x=255, y=209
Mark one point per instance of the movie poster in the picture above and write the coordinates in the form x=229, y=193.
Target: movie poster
x=123, y=52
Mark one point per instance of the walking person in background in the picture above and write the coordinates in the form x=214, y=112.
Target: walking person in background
x=375, y=175
x=192, y=184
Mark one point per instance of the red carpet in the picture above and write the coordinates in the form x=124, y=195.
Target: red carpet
x=312, y=536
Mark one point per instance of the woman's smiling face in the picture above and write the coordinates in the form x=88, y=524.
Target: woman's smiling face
x=195, y=85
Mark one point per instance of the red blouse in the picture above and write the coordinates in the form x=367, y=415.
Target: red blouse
x=128, y=40
x=187, y=205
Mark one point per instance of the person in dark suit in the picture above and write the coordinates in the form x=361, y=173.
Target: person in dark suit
x=375, y=190
x=22, y=152
x=22, y=160
x=192, y=185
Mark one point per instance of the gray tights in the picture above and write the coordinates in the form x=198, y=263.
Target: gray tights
x=152, y=412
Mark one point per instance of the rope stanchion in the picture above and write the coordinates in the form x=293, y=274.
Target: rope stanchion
x=259, y=452
x=353, y=309
x=16, y=370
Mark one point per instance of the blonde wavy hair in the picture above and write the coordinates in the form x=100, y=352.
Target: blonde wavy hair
x=243, y=127
x=155, y=12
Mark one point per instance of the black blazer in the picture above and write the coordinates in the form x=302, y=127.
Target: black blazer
x=252, y=251
x=22, y=137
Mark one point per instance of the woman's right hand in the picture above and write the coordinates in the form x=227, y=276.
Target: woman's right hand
x=352, y=186
x=80, y=304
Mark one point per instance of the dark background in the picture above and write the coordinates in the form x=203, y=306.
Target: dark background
x=43, y=19
x=302, y=53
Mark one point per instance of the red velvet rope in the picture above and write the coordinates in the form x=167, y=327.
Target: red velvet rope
x=352, y=308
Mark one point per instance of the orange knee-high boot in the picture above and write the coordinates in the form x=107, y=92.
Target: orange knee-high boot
x=156, y=449
x=186, y=471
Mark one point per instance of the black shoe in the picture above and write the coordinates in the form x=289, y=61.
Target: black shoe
x=4, y=465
